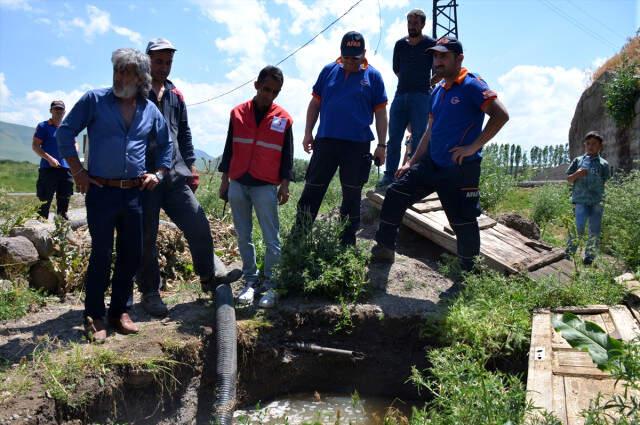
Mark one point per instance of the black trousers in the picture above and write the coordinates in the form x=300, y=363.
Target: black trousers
x=457, y=188
x=52, y=181
x=353, y=160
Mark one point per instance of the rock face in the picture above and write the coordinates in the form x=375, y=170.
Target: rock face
x=527, y=227
x=621, y=147
x=17, y=250
x=39, y=234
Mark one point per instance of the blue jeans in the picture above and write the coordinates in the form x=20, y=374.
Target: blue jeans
x=243, y=199
x=406, y=108
x=109, y=209
x=182, y=207
x=592, y=214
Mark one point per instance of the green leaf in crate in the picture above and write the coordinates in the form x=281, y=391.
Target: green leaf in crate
x=587, y=336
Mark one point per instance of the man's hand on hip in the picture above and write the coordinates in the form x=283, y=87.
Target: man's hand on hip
x=403, y=169
x=149, y=181
x=83, y=181
x=53, y=162
x=461, y=152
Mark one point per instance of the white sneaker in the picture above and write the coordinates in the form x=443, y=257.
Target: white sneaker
x=269, y=299
x=246, y=296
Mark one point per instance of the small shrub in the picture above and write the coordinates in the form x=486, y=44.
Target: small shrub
x=18, y=301
x=317, y=263
x=621, y=228
x=14, y=212
x=622, y=92
x=550, y=203
x=495, y=183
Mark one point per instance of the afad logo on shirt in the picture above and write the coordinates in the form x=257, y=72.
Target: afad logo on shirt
x=455, y=100
x=364, y=82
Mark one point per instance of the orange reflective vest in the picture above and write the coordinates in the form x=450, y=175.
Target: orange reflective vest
x=258, y=149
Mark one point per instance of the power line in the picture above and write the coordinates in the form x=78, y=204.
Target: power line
x=285, y=58
x=576, y=23
x=595, y=18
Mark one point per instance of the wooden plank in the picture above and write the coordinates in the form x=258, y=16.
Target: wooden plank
x=540, y=372
x=484, y=222
x=541, y=260
x=624, y=322
x=575, y=363
x=609, y=326
x=559, y=401
x=431, y=197
x=588, y=309
x=426, y=226
x=580, y=391
x=635, y=310
x=515, y=243
x=425, y=207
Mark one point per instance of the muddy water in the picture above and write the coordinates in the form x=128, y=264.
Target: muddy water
x=324, y=409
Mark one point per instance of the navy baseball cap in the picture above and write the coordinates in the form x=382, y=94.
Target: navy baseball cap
x=160, y=44
x=352, y=44
x=57, y=104
x=447, y=44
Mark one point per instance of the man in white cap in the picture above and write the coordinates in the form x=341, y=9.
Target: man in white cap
x=175, y=194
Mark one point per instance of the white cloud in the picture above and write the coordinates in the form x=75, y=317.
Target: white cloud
x=62, y=62
x=99, y=23
x=5, y=93
x=34, y=106
x=45, y=21
x=541, y=102
x=16, y=4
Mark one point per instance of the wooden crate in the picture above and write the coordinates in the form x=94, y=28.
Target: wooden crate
x=562, y=379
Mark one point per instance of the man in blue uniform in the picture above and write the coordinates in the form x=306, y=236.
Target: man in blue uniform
x=410, y=107
x=53, y=174
x=346, y=96
x=448, y=158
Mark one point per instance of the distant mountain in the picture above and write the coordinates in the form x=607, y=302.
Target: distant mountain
x=15, y=142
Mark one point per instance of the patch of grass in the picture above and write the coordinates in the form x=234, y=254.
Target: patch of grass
x=15, y=211
x=18, y=176
x=519, y=200
x=621, y=229
x=551, y=204
x=491, y=319
x=19, y=301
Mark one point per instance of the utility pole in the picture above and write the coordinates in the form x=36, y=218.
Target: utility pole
x=445, y=18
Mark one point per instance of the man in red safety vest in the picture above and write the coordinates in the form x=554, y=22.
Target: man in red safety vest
x=256, y=169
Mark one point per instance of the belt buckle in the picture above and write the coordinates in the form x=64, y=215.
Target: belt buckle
x=122, y=184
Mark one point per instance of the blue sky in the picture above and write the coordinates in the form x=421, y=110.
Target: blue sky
x=537, y=54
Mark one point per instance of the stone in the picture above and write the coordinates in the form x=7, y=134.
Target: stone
x=39, y=234
x=17, y=250
x=523, y=225
x=5, y=285
x=621, y=148
x=43, y=276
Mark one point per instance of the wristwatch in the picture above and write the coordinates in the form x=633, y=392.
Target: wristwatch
x=160, y=176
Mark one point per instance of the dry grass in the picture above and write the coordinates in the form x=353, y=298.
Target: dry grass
x=631, y=50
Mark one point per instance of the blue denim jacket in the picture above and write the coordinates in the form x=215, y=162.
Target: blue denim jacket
x=114, y=151
x=589, y=190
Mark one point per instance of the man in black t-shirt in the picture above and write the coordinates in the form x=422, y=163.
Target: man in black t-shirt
x=412, y=65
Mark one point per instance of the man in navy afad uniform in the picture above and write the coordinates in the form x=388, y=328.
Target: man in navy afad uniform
x=448, y=158
x=53, y=176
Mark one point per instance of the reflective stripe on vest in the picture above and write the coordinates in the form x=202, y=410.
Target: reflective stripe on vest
x=269, y=145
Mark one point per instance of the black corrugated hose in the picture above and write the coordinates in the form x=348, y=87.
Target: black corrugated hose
x=227, y=358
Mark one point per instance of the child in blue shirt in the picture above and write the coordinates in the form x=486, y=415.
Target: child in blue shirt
x=588, y=174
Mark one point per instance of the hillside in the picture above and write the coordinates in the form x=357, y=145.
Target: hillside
x=15, y=142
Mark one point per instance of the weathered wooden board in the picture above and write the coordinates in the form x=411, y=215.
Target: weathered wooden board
x=502, y=248
x=563, y=380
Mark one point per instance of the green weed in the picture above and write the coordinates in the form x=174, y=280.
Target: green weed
x=20, y=300
x=621, y=229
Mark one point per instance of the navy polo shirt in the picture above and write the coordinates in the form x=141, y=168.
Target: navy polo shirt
x=46, y=131
x=348, y=101
x=458, y=115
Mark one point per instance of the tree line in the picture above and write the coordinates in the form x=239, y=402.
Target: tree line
x=516, y=160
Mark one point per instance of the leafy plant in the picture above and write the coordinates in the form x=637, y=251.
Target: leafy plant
x=550, y=203
x=622, y=92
